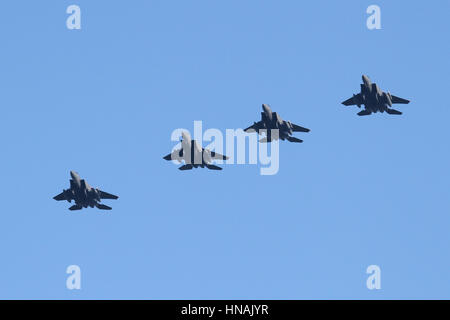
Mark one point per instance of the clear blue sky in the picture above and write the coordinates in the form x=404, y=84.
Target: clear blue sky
x=104, y=100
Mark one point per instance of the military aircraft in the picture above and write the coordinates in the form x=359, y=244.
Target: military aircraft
x=190, y=150
x=83, y=194
x=374, y=99
x=272, y=120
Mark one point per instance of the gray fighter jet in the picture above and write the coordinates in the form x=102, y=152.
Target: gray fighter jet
x=194, y=155
x=272, y=120
x=83, y=194
x=374, y=99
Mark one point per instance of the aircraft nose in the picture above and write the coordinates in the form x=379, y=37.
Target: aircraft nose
x=266, y=108
x=185, y=136
x=365, y=78
x=73, y=174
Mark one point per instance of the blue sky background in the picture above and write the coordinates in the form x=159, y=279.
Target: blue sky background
x=104, y=100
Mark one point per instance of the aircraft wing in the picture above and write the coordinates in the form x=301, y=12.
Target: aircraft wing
x=297, y=128
x=217, y=156
x=175, y=155
x=60, y=197
x=106, y=195
x=256, y=126
x=355, y=100
x=399, y=100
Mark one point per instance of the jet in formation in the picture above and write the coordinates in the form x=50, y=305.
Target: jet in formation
x=83, y=194
x=194, y=155
x=272, y=120
x=374, y=99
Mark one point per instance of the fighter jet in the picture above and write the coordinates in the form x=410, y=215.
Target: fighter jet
x=194, y=155
x=374, y=99
x=83, y=194
x=272, y=120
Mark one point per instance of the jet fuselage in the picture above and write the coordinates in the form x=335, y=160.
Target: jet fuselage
x=194, y=155
x=373, y=98
x=81, y=192
x=273, y=121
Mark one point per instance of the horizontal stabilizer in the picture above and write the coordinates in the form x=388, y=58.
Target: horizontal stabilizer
x=103, y=207
x=364, y=113
x=213, y=167
x=75, y=207
x=186, y=167
x=294, y=139
x=393, y=111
